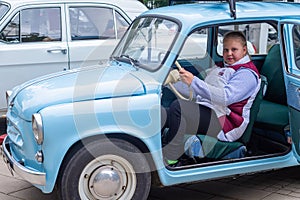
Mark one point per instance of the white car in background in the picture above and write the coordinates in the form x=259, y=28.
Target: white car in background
x=46, y=36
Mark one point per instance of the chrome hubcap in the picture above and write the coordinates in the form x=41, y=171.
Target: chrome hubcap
x=107, y=177
x=106, y=182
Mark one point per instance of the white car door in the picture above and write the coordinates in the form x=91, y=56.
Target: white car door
x=32, y=43
x=95, y=31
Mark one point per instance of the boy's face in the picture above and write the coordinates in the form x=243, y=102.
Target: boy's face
x=233, y=50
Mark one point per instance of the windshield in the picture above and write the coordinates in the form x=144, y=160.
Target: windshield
x=3, y=9
x=147, y=43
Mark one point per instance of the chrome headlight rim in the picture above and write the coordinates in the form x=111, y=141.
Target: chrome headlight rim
x=37, y=128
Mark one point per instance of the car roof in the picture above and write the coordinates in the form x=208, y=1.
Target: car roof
x=132, y=7
x=192, y=14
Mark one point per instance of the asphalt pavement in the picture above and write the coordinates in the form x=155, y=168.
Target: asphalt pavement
x=282, y=184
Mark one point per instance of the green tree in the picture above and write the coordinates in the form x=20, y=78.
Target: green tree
x=155, y=3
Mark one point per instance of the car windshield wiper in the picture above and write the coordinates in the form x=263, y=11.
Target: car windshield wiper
x=127, y=59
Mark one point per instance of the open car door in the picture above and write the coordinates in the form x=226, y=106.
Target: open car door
x=290, y=38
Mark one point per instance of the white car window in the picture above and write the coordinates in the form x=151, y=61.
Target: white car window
x=11, y=32
x=3, y=9
x=96, y=23
x=121, y=25
x=34, y=25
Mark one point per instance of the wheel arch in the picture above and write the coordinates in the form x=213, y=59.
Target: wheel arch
x=126, y=137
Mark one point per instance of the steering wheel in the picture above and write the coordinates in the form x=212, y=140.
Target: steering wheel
x=174, y=77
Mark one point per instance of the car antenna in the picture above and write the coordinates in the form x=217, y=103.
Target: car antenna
x=232, y=8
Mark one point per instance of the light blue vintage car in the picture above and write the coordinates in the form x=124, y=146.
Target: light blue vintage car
x=96, y=133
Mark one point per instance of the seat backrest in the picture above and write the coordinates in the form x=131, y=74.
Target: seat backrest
x=272, y=70
x=254, y=110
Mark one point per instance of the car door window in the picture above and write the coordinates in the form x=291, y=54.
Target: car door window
x=96, y=23
x=194, y=54
x=33, y=25
x=195, y=46
x=11, y=32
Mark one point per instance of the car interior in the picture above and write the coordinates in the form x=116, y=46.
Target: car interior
x=266, y=133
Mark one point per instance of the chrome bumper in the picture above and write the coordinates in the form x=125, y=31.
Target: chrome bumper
x=34, y=177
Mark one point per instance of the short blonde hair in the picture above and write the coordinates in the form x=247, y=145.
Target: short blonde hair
x=236, y=35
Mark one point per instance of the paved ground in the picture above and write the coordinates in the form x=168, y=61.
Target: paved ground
x=276, y=185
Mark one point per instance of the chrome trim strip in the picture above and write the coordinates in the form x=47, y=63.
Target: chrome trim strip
x=34, y=177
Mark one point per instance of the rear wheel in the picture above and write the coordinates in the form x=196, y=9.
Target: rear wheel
x=105, y=169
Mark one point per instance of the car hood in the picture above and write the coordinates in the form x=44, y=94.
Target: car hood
x=83, y=84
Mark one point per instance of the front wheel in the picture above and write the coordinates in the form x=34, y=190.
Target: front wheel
x=105, y=169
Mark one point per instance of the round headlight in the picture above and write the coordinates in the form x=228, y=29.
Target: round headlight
x=37, y=128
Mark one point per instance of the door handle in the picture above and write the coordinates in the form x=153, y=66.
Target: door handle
x=57, y=50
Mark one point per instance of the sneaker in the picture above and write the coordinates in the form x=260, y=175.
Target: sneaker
x=172, y=162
